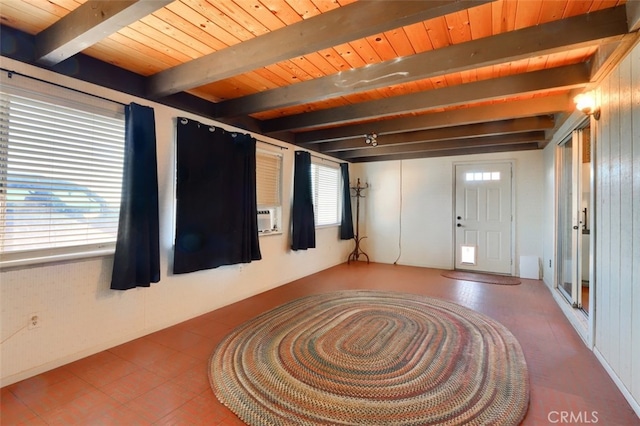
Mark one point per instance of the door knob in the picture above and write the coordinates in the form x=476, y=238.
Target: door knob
x=459, y=217
x=459, y=225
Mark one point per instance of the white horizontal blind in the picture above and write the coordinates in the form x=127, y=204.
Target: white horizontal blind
x=325, y=184
x=60, y=173
x=268, y=166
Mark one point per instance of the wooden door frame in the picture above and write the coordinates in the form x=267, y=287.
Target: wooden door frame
x=512, y=164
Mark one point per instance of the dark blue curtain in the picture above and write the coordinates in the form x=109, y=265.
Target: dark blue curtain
x=216, y=211
x=346, y=224
x=303, y=224
x=137, y=258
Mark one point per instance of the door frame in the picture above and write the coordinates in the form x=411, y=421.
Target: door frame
x=575, y=220
x=512, y=164
x=584, y=325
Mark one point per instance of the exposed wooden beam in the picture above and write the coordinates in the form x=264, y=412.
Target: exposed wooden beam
x=609, y=55
x=495, y=128
x=485, y=141
x=633, y=15
x=567, y=77
x=566, y=34
x=527, y=146
x=341, y=25
x=499, y=111
x=94, y=71
x=88, y=24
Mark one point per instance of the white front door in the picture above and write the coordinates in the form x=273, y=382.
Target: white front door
x=483, y=217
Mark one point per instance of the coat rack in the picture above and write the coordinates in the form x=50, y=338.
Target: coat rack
x=355, y=254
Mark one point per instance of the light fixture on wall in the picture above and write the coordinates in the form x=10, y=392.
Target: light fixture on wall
x=371, y=139
x=586, y=102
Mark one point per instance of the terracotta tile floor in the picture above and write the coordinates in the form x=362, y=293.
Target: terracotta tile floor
x=162, y=378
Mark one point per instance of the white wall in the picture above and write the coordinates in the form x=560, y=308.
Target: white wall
x=80, y=315
x=617, y=228
x=425, y=215
x=616, y=164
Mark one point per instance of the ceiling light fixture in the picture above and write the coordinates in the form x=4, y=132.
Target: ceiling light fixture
x=371, y=139
x=586, y=102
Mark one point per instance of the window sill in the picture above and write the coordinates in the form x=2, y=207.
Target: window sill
x=22, y=259
x=266, y=233
x=331, y=225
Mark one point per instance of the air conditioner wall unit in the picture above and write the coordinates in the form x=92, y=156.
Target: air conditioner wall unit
x=266, y=220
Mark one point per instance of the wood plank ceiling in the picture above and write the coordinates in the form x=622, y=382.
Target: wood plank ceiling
x=429, y=78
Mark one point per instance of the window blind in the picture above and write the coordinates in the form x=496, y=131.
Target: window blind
x=325, y=184
x=60, y=173
x=268, y=174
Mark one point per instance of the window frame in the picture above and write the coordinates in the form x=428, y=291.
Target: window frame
x=338, y=191
x=276, y=207
x=60, y=97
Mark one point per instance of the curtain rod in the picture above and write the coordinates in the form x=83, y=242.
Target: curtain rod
x=326, y=159
x=11, y=73
x=186, y=120
x=284, y=147
x=271, y=143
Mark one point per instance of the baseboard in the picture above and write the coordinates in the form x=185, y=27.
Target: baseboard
x=635, y=405
x=580, y=324
x=578, y=321
x=422, y=265
x=67, y=359
x=103, y=346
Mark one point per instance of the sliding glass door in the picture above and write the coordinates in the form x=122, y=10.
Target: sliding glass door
x=574, y=168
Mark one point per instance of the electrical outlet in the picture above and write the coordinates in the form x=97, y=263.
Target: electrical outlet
x=34, y=321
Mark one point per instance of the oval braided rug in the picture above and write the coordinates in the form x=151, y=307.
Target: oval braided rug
x=371, y=358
